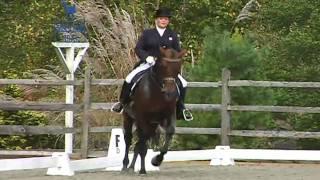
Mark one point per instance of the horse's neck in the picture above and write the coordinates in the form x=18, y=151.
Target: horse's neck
x=154, y=80
x=155, y=73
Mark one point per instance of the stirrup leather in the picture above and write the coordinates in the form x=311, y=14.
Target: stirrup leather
x=187, y=115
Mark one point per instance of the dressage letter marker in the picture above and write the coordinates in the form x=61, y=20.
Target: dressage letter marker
x=62, y=167
x=222, y=156
x=117, y=143
x=116, y=148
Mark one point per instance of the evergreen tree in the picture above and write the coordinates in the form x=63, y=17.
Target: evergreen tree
x=239, y=54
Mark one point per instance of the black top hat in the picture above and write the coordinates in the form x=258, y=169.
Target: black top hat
x=163, y=12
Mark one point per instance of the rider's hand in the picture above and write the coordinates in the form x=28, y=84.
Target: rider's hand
x=150, y=60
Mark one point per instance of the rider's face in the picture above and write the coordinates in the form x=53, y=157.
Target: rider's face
x=162, y=22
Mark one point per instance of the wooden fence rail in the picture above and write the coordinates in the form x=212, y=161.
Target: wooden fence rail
x=225, y=109
x=38, y=106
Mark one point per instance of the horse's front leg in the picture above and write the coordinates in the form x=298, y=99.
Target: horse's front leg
x=140, y=149
x=170, y=130
x=143, y=153
x=135, y=156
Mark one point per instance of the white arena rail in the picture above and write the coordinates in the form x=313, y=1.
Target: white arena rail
x=28, y=163
x=60, y=164
x=223, y=155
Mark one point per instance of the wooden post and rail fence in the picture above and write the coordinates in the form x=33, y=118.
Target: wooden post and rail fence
x=225, y=108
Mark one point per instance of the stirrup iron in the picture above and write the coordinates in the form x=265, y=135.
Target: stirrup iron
x=186, y=112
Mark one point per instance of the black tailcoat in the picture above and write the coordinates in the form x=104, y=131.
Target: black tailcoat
x=150, y=42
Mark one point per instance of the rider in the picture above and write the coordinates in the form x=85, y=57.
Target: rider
x=147, y=49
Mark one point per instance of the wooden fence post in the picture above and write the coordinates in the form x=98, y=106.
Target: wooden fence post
x=225, y=114
x=85, y=119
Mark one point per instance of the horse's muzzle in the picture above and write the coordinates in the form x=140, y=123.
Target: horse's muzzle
x=169, y=88
x=171, y=95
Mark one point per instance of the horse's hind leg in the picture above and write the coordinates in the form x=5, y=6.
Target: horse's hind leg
x=127, y=126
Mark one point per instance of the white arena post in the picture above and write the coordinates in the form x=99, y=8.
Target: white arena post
x=71, y=63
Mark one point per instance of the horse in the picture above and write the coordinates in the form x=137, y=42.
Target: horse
x=153, y=105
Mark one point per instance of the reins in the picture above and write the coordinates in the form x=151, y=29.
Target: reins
x=171, y=60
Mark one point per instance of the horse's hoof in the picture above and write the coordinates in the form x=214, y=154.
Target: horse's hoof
x=124, y=170
x=127, y=170
x=156, y=161
x=130, y=170
x=143, y=172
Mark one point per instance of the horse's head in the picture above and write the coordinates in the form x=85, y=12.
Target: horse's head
x=168, y=66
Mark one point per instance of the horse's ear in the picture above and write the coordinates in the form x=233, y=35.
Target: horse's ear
x=182, y=53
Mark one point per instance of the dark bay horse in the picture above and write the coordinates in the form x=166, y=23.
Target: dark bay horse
x=153, y=105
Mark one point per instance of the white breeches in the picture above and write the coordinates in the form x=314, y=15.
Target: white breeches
x=140, y=68
x=145, y=66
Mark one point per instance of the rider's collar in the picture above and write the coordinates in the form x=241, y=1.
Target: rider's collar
x=160, y=30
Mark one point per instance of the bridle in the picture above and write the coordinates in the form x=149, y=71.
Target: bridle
x=170, y=79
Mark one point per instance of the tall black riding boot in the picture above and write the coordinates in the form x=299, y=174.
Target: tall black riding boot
x=182, y=111
x=124, y=97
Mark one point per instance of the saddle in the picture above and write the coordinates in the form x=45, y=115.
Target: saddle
x=136, y=79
